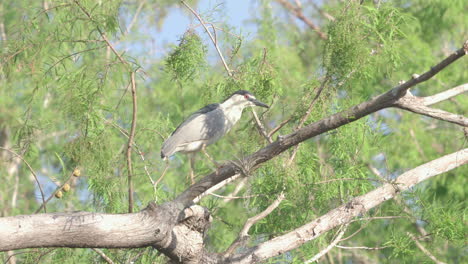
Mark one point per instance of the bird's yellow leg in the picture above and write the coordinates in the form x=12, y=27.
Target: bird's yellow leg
x=192, y=166
x=217, y=165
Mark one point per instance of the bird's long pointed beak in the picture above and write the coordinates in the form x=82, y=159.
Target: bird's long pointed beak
x=258, y=103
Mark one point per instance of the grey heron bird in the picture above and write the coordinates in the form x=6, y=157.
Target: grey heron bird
x=208, y=125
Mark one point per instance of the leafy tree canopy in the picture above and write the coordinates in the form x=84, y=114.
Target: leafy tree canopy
x=66, y=104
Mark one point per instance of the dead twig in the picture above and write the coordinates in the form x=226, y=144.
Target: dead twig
x=278, y=127
x=362, y=247
x=261, y=127
x=330, y=246
x=103, y=255
x=244, y=233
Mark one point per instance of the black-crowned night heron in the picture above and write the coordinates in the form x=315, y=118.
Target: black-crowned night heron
x=208, y=125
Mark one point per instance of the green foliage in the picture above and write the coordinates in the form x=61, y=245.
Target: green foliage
x=448, y=223
x=364, y=44
x=187, y=60
x=65, y=102
x=401, y=244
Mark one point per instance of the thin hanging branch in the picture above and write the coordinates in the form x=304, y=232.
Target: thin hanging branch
x=134, y=102
x=130, y=143
x=215, y=43
x=32, y=172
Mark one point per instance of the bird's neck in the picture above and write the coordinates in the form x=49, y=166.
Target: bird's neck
x=232, y=110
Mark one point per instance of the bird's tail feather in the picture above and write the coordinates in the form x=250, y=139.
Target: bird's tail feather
x=168, y=148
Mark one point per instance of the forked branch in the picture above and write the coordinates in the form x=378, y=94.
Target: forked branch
x=420, y=105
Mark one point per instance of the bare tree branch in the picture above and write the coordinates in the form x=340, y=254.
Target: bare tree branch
x=402, y=203
x=420, y=105
x=135, y=17
x=252, y=220
x=217, y=187
x=160, y=226
x=231, y=197
x=239, y=187
x=355, y=207
x=322, y=12
x=297, y=11
x=442, y=96
x=281, y=125
x=416, y=105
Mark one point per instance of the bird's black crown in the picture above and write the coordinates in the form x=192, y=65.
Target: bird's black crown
x=241, y=92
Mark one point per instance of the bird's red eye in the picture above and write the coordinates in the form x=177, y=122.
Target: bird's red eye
x=246, y=96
